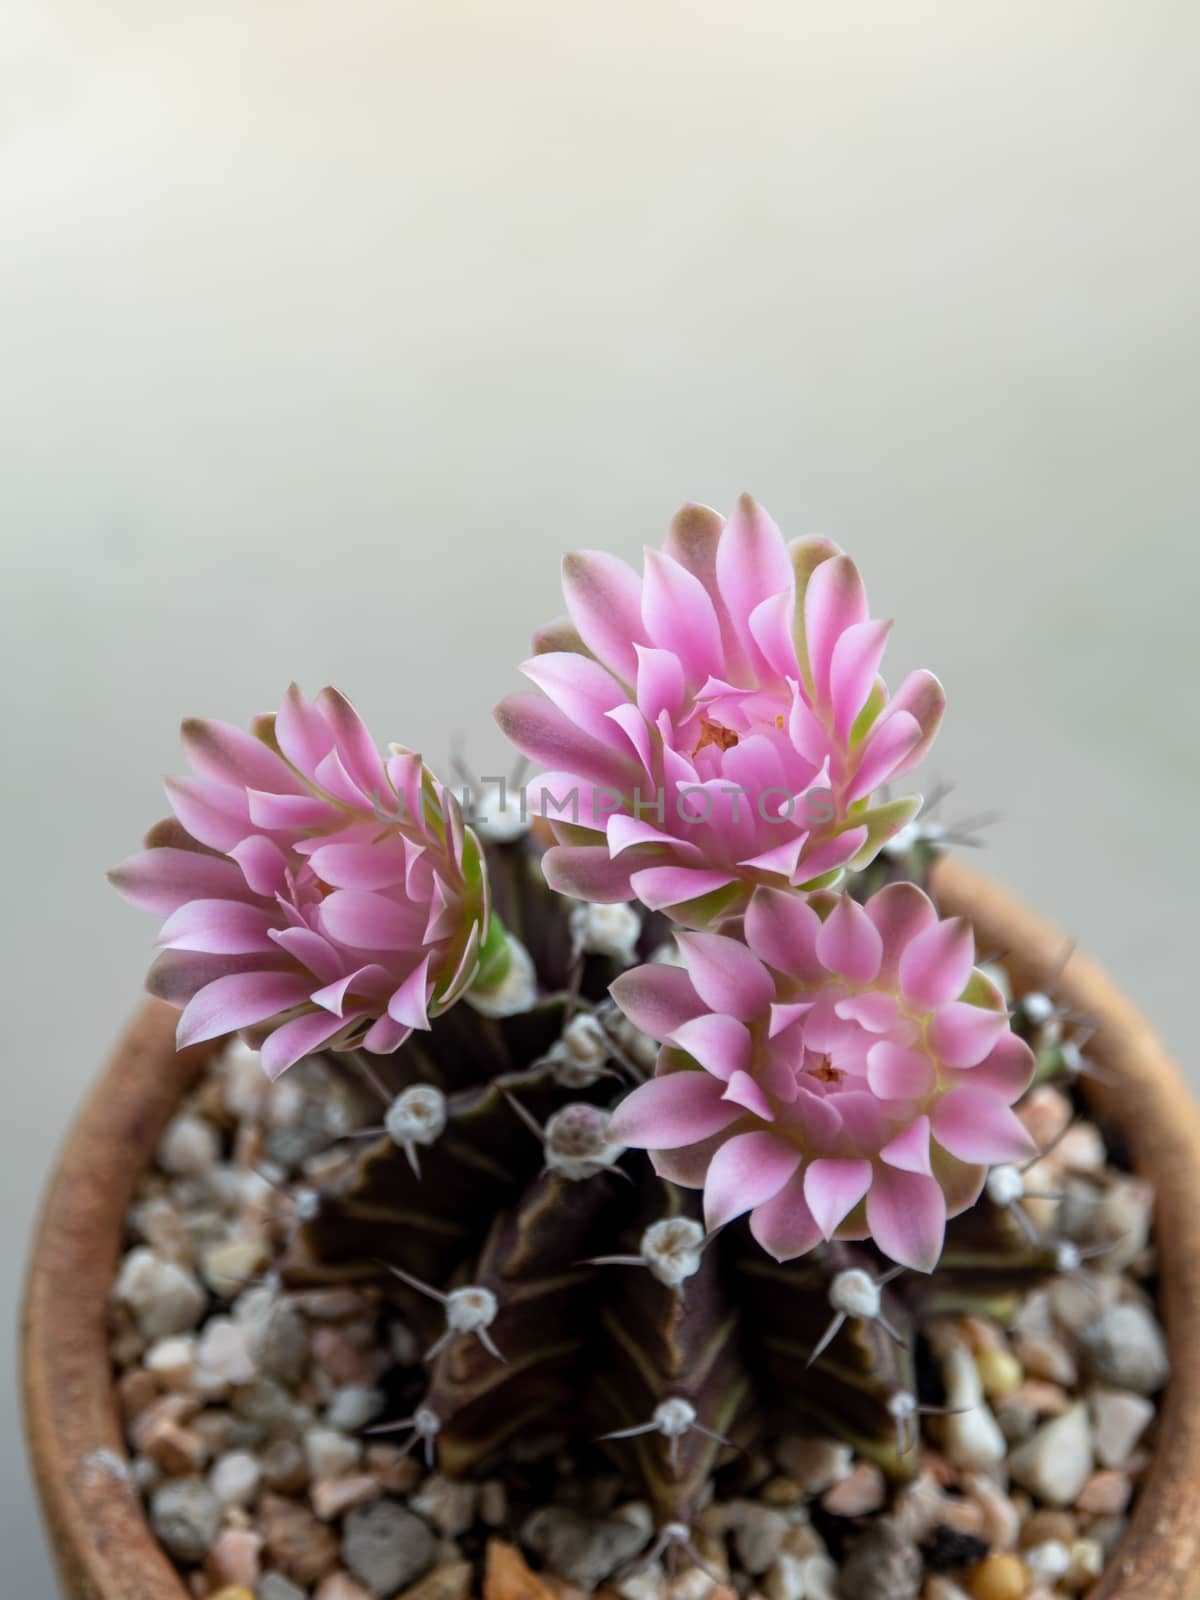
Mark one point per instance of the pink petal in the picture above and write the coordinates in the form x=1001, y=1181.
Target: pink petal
x=909, y=1151
x=625, y=832
x=540, y=731
x=214, y=813
x=409, y=1004
x=668, y=1112
x=238, y=1000
x=742, y=1090
x=834, y=601
x=604, y=598
x=680, y=617
x=782, y=929
x=855, y=661
x=386, y=1035
x=883, y=753
x=219, y=927
x=287, y=811
x=163, y=879
x=937, y=963
x=901, y=912
x=906, y=1213
x=264, y=865
x=962, y=1034
x=230, y=755
x=783, y=1225
x=1007, y=1069
x=291, y=1041
x=831, y=854
x=895, y=1073
x=657, y=998
x=876, y=1012
x=727, y=977
x=355, y=746
x=849, y=943
x=587, y=872
x=832, y=1189
x=922, y=696
x=581, y=688
x=660, y=684
x=366, y=921
x=752, y=564
x=660, y=887
x=720, y=1044
x=302, y=732
x=975, y=1125
x=311, y=951
x=784, y=1014
x=382, y=865
x=771, y=630
x=747, y=1170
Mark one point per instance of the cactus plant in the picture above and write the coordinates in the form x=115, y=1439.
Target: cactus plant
x=687, y=1128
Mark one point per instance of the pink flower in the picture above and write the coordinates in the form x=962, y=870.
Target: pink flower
x=844, y=1071
x=718, y=722
x=314, y=892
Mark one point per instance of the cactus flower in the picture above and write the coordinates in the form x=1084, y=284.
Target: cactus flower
x=718, y=722
x=316, y=893
x=846, y=1070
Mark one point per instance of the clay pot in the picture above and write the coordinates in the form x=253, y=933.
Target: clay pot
x=102, y=1545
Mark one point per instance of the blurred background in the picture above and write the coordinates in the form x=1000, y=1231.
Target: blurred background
x=327, y=327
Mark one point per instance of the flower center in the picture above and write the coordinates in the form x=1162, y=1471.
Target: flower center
x=716, y=734
x=824, y=1071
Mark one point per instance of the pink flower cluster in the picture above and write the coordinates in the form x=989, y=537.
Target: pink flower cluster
x=835, y=1069
x=717, y=722
x=315, y=892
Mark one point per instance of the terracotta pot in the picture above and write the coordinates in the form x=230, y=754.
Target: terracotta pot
x=102, y=1545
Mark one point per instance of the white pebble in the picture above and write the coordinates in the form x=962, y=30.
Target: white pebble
x=189, y=1147
x=973, y=1437
x=330, y=1453
x=173, y=1361
x=165, y=1298
x=235, y=1478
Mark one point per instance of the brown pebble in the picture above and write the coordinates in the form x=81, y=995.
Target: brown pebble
x=1105, y=1494
x=1042, y=1398
x=451, y=1582
x=284, y=1466
x=999, y=1578
x=235, y=1593
x=507, y=1575
x=136, y=1390
x=177, y=1451
x=303, y=1548
x=398, y=1473
x=178, y=1408
x=333, y=1497
x=1048, y=1527
x=781, y=1491
x=234, y=1558
x=862, y=1492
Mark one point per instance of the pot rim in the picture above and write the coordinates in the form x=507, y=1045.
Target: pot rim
x=101, y=1539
